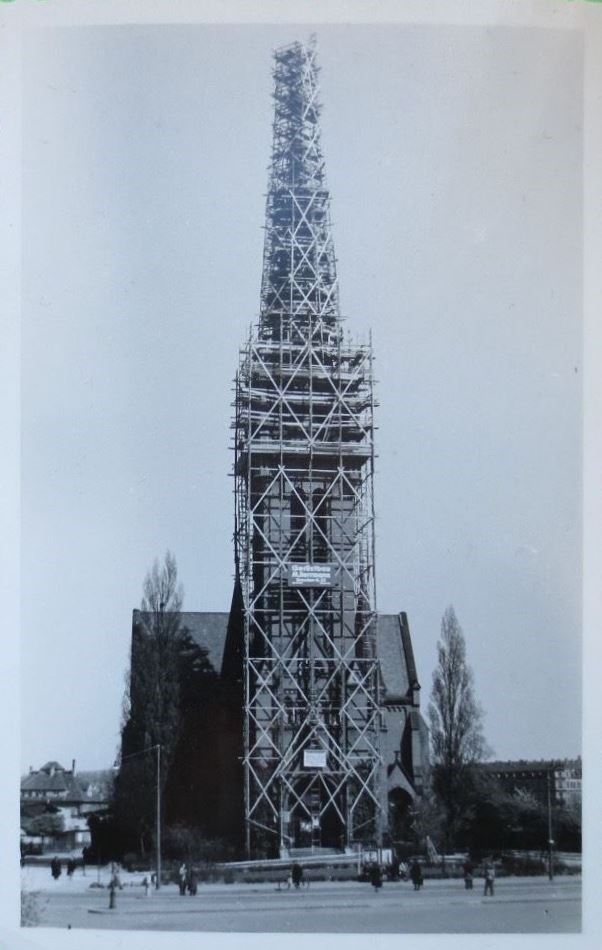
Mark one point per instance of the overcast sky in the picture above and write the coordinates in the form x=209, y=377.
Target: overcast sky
x=454, y=160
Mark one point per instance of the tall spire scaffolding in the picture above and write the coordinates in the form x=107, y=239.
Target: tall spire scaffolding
x=304, y=527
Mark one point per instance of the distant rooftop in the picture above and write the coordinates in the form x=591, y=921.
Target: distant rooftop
x=55, y=781
x=532, y=765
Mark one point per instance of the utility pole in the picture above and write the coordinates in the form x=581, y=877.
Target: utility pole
x=550, y=839
x=158, y=747
x=158, y=884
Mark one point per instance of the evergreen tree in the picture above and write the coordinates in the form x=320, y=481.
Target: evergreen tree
x=151, y=706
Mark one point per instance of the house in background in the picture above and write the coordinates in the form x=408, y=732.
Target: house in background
x=56, y=804
x=567, y=782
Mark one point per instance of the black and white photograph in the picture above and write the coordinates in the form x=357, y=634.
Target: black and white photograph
x=302, y=448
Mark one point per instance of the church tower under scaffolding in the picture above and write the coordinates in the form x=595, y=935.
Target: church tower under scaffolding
x=314, y=773
x=300, y=706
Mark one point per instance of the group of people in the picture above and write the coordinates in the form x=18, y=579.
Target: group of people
x=376, y=874
x=56, y=868
x=489, y=876
x=187, y=880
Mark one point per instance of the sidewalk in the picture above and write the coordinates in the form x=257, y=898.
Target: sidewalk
x=40, y=879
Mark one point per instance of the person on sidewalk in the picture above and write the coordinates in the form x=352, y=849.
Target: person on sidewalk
x=416, y=875
x=192, y=882
x=297, y=875
x=489, y=880
x=376, y=877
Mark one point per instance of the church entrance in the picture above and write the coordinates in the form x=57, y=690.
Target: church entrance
x=315, y=822
x=400, y=815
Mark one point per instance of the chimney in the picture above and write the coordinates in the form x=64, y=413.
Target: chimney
x=73, y=766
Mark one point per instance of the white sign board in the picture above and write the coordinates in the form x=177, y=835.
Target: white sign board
x=314, y=759
x=310, y=575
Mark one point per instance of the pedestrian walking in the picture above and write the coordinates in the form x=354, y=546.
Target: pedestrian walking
x=468, y=874
x=297, y=875
x=113, y=885
x=416, y=875
x=376, y=878
x=146, y=885
x=489, y=880
x=182, y=878
x=55, y=868
x=192, y=882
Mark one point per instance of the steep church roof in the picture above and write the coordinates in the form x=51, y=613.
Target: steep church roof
x=208, y=629
x=390, y=653
x=396, y=657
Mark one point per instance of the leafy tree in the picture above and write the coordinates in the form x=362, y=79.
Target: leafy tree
x=425, y=819
x=48, y=824
x=188, y=843
x=456, y=722
x=496, y=819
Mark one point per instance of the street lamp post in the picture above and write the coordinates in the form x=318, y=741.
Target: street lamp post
x=550, y=839
x=158, y=885
x=158, y=748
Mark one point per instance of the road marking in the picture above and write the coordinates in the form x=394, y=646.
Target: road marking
x=224, y=910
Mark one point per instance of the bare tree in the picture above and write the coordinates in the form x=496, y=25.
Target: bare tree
x=158, y=668
x=163, y=596
x=456, y=721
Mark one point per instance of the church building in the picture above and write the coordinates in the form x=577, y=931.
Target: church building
x=313, y=737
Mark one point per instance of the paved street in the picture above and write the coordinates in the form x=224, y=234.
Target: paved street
x=527, y=905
